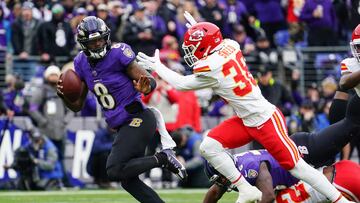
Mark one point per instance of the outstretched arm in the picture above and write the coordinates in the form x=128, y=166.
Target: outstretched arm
x=265, y=184
x=349, y=80
x=180, y=82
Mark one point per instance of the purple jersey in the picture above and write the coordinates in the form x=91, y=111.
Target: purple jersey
x=248, y=164
x=110, y=83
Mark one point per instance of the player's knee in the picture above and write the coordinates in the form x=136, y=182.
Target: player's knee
x=114, y=173
x=300, y=169
x=210, y=147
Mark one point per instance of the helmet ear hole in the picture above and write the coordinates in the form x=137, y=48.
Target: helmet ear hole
x=202, y=49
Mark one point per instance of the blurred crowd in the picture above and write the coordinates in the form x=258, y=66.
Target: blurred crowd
x=46, y=29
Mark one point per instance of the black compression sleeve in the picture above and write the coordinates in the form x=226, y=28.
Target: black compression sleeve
x=337, y=110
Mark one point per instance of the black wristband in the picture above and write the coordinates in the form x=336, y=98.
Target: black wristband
x=152, y=84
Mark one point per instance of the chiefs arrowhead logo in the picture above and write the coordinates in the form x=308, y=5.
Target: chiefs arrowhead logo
x=197, y=35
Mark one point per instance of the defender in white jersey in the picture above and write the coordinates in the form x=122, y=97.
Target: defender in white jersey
x=220, y=65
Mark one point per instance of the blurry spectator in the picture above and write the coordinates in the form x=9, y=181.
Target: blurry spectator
x=102, y=12
x=140, y=32
x=169, y=53
x=41, y=10
x=99, y=153
x=15, y=12
x=168, y=12
x=5, y=32
x=295, y=83
x=212, y=13
x=37, y=164
x=56, y=37
x=80, y=14
x=13, y=95
x=310, y=120
x=329, y=87
x=265, y=54
x=272, y=21
x=152, y=11
x=69, y=6
x=275, y=92
x=188, y=142
x=49, y=112
x=116, y=11
x=320, y=17
x=180, y=20
x=247, y=45
x=237, y=13
x=313, y=94
x=92, y=5
x=25, y=33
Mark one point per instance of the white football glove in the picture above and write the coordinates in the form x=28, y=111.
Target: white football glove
x=148, y=62
x=190, y=19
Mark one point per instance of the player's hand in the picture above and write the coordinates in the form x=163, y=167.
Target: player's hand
x=60, y=87
x=147, y=62
x=143, y=84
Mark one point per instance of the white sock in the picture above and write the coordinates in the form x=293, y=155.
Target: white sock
x=216, y=155
x=317, y=180
x=166, y=141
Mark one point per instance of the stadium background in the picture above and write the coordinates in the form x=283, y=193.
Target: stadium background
x=281, y=41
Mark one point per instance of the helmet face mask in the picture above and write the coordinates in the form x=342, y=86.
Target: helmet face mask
x=189, y=51
x=355, y=43
x=355, y=50
x=93, y=37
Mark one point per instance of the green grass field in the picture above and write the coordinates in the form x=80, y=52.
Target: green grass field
x=105, y=196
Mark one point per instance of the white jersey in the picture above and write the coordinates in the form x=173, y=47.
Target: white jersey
x=300, y=192
x=235, y=83
x=350, y=65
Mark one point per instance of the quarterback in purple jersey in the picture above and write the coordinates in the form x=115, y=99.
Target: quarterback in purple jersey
x=112, y=74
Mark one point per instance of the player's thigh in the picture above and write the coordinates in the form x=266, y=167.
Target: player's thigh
x=273, y=136
x=132, y=138
x=231, y=133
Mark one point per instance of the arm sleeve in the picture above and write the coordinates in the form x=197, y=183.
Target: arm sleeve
x=77, y=67
x=126, y=54
x=189, y=82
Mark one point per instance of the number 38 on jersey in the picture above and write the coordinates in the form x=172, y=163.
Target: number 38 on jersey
x=242, y=76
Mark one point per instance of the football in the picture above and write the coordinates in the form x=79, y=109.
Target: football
x=72, y=85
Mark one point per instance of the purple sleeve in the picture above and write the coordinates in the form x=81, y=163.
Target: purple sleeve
x=77, y=67
x=124, y=53
x=251, y=170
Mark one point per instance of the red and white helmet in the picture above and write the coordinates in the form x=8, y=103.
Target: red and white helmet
x=355, y=43
x=200, y=40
